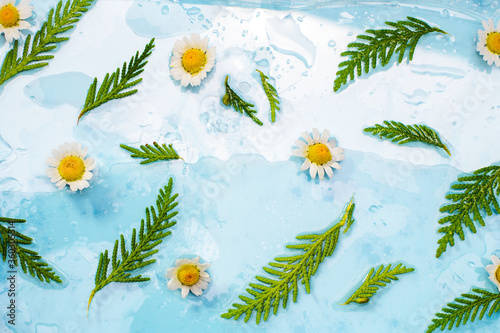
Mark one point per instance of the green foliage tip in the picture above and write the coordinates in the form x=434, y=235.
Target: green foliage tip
x=35, y=51
x=376, y=279
x=381, y=45
x=117, y=84
x=142, y=245
x=271, y=93
x=230, y=98
x=29, y=260
x=465, y=308
x=473, y=196
x=153, y=153
x=288, y=272
x=401, y=133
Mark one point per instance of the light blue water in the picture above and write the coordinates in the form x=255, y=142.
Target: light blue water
x=240, y=213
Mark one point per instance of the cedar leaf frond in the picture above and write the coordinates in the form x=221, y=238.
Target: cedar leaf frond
x=401, y=133
x=30, y=261
x=473, y=195
x=288, y=272
x=230, y=98
x=381, y=45
x=35, y=48
x=152, y=154
x=151, y=235
x=466, y=307
x=117, y=84
x=272, y=95
x=375, y=279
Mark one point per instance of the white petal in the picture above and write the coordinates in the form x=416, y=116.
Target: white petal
x=495, y=260
x=174, y=284
x=196, y=290
x=195, y=41
x=89, y=163
x=325, y=136
x=315, y=135
x=186, y=79
x=87, y=175
x=181, y=262
x=328, y=170
x=202, y=284
x=337, y=150
x=339, y=157
x=306, y=165
x=184, y=291
x=332, y=142
x=54, y=162
x=307, y=137
x=321, y=172
x=73, y=186
x=298, y=152
x=171, y=272
x=195, y=261
x=300, y=144
x=334, y=165
x=313, y=170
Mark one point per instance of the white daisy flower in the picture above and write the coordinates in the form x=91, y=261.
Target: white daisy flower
x=320, y=153
x=12, y=18
x=489, y=42
x=189, y=275
x=191, y=60
x=68, y=165
x=494, y=271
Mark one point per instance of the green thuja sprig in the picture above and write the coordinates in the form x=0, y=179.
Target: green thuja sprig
x=152, y=154
x=381, y=45
x=473, y=194
x=401, y=133
x=116, y=85
x=230, y=98
x=142, y=246
x=289, y=271
x=15, y=254
x=272, y=95
x=466, y=307
x=376, y=279
x=35, y=50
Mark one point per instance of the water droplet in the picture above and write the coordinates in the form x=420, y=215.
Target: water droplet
x=244, y=87
x=193, y=11
x=201, y=17
x=373, y=208
x=445, y=13
x=300, y=18
x=332, y=43
x=164, y=10
x=471, y=264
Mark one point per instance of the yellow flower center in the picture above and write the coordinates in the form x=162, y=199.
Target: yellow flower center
x=9, y=16
x=71, y=168
x=194, y=60
x=497, y=274
x=319, y=154
x=188, y=275
x=493, y=42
